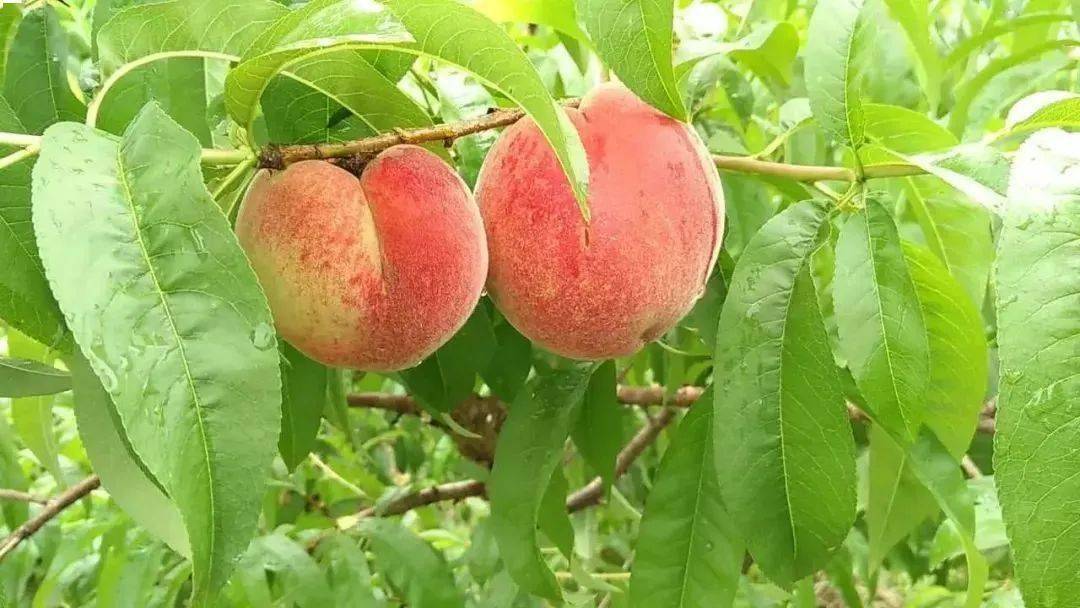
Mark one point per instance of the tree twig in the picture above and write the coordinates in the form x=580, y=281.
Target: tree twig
x=52, y=508
x=280, y=156
x=454, y=490
x=20, y=496
x=629, y=395
x=592, y=492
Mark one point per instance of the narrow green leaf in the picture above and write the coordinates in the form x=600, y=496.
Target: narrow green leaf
x=436, y=28
x=966, y=94
x=36, y=78
x=14, y=512
x=832, y=81
x=784, y=451
x=529, y=448
x=882, y=335
x=26, y=378
x=1035, y=457
x=688, y=551
x=296, y=113
x=411, y=565
x=170, y=316
x=509, y=365
x=1064, y=113
x=914, y=16
x=937, y=470
x=446, y=378
x=304, y=386
x=598, y=432
x=634, y=38
x=553, y=518
x=956, y=231
x=26, y=303
x=122, y=474
x=32, y=417
x=10, y=17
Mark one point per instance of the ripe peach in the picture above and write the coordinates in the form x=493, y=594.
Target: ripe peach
x=657, y=220
x=372, y=273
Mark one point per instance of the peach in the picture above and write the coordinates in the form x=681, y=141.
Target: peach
x=657, y=221
x=372, y=273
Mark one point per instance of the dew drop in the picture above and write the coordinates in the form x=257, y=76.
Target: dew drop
x=263, y=336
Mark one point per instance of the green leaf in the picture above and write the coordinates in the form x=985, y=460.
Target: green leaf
x=509, y=365
x=634, y=38
x=436, y=27
x=296, y=113
x=26, y=303
x=768, y=50
x=1043, y=110
x=914, y=16
x=897, y=501
x=882, y=335
x=1038, y=293
x=956, y=231
x=783, y=445
x=977, y=171
x=177, y=84
x=26, y=378
x=446, y=378
x=304, y=386
x=36, y=78
x=556, y=14
x=167, y=310
x=347, y=77
x=967, y=93
x=122, y=474
x=936, y=469
x=33, y=416
x=598, y=432
x=832, y=82
x=222, y=26
x=411, y=565
x=296, y=571
x=553, y=518
x=529, y=448
x=10, y=17
x=688, y=551
x=892, y=129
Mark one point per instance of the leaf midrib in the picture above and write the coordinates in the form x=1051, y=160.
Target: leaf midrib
x=188, y=376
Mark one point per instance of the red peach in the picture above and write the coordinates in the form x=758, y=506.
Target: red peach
x=372, y=273
x=657, y=220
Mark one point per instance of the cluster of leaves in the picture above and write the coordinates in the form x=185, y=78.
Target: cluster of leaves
x=139, y=345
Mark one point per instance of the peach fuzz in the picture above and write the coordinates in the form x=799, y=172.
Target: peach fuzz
x=372, y=273
x=657, y=221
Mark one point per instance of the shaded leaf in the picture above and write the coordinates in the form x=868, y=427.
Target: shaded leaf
x=598, y=432
x=688, y=551
x=122, y=474
x=529, y=448
x=26, y=378
x=411, y=565
x=304, y=386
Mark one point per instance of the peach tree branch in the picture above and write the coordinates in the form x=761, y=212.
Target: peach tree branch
x=52, y=508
